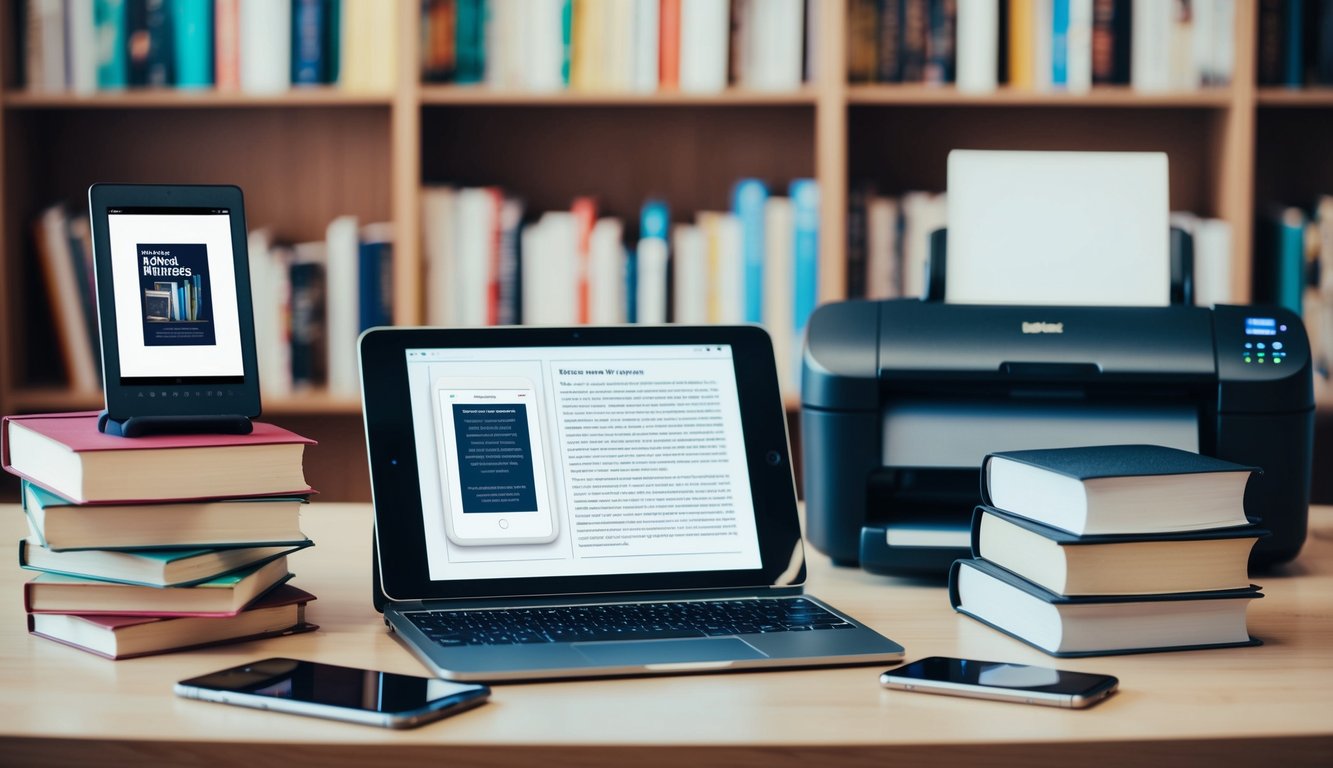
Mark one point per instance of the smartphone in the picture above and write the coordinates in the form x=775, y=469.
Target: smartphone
x=339, y=693
x=1001, y=681
x=494, y=471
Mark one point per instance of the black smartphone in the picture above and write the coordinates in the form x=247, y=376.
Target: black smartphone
x=1001, y=681
x=363, y=696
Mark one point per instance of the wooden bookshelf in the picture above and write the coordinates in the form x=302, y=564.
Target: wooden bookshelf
x=308, y=155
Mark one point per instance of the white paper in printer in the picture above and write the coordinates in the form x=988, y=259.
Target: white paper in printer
x=1066, y=228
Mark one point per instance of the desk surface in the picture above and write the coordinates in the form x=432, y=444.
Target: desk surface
x=1273, y=702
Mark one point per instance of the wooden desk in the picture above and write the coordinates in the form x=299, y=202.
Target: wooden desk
x=1272, y=704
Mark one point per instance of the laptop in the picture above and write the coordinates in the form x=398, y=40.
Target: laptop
x=569, y=502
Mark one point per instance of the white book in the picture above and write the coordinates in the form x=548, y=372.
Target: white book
x=509, y=231
x=690, y=299
x=923, y=213
x=978, y=45
x=505, y=54
x=544, y=44
x=617, y=43
x=730, y=275
x=1185, y=34
x=1212, y=262
x=647, y=18
x=82, y=46
x=651, y=287
x=1043, y=23
x=814, y=14
x=550, y=280
x=342, y=297
x=266, y=46
x=606, y=273
x=883, y=257
x=779, y=296
x=478, y=222
x=1150, y=45
x=1078, y=56
x=1223, y=34
x=704, y=41
x=270, y=284
x=45, y=54
x=439, y=227
x=773, y=57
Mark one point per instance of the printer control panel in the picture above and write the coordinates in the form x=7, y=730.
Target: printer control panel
x=1266, y=340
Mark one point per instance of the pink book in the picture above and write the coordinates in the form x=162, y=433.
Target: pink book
x=66, y=454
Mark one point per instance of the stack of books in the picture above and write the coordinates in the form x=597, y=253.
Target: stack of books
x=1110, y=549
x=153, y=544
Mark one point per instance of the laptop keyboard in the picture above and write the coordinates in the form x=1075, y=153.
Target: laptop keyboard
x=624, y=621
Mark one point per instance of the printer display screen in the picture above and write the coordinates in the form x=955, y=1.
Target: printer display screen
x=1270, y=349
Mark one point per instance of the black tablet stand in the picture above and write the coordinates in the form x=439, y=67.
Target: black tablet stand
x=142, y=426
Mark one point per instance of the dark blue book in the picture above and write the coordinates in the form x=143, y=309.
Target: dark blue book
x=149, y=44
x=1117, y=489
x=310, y=42
x=1324, y=43
x=1099, y=626
x=309, y=348
x=1121, y=564
x=375, y=280
x=1293, y=43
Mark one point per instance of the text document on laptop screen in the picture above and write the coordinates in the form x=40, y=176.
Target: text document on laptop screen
x=581, y=461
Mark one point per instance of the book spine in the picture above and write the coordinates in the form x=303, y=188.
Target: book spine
x=606, y=274
x=862, y=29
x=1289, y=266
x=374, y=264
x=192, y=23
x=1103, y=42
x=805, y=252
x=778, y=292
x=668, y=47
x=81, y=39
x=1021, y=58
x=978, y=45
x=747, y=203
x=703, y=45
x=1060, y=43
x=308, y=42
x=1324, y=44
x=1078, y=42
x=440, y=229
x=227, y=44
x=585, y=216
x=1150, y=68
x=508, y=275
x=264, y=33
x=689, y=276
x=342, y=248
x=1270, y=42
x=888, y=35
x=309, y=351
x=1293, y=43
x=567, y=43
x=940, y=59
x=652, y=257
x=915, y=30
x=857, y=255
x=109, y=33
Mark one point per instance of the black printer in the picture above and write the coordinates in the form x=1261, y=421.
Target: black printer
x=901, y=399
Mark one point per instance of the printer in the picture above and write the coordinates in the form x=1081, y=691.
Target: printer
x=901, y=399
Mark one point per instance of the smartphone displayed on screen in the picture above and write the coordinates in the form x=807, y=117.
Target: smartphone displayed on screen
x=363, y=696
x=1001, y=681
x=494, y=473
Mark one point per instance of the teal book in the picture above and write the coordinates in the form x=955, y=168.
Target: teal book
x=153, y=568
x=192, y=24
x=1289, y=259
x=805, y=250
x=748, y=199
x=1101, y=625
x=109, y=29
x=566, y=38
x=470, y=42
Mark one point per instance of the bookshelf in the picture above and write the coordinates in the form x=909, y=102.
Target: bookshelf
x=308, y=155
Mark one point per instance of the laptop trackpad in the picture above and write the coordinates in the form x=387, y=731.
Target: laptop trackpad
x=638, y=652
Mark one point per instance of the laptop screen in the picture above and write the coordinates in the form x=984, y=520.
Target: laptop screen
x=580, y=461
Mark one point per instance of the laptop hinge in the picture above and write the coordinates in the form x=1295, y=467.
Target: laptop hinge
x=586, y=599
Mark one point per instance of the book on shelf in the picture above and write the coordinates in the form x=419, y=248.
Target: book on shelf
x=652, y=257
x=1115, y=489
x=1099, y=625
x=152, y=567
x=64, y=249
x=223, y=596
x=1042, y=45
x=778, y=311
x=1121, y=564
x=67, y=455
x=59, y=524
x=278, y=613
x=628, y=46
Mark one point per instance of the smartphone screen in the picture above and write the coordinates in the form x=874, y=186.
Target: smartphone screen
x=326, y=690
x=1000, y=680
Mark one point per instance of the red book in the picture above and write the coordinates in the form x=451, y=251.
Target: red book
x=668, y=46
x=227, y=44
x=66, y=454
x=585, y=216
x=280, y=612
x=493, y=283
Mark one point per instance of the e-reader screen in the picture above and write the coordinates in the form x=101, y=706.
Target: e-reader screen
x=175, y=284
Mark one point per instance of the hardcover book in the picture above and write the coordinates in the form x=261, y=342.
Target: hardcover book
x=1128, y=564
x=224, y=596
x=60, y=525
x=153, y=567
x=278, y=613
x=66, y=454
x=1117, y=488
x=1097, y=626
